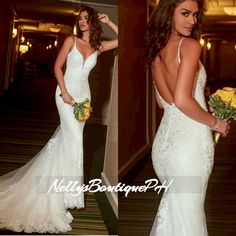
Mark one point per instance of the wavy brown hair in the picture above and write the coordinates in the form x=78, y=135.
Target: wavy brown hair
x=159, y=27
x=94, y=24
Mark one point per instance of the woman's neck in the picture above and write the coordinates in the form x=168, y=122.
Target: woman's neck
x=85, y=36
x=175, y=36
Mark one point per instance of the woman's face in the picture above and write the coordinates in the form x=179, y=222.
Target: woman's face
x=185, y=17
x=83, y=21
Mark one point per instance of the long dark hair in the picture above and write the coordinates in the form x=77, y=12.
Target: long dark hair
x=95, y=26
x=159, y=27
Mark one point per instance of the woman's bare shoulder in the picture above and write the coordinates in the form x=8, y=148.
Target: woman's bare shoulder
x=192, y=45
x=191, y=48
x=69, y=40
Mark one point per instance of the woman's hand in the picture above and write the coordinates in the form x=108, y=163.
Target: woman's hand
x=108, y=44
x=103, y=18
x=223, y=127
x=66, y=97
x=212, y=111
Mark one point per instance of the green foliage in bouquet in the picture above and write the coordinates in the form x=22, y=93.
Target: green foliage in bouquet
x=82, y=110
x=222, y=110
x=223, y=104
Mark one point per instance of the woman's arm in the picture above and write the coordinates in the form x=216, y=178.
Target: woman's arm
x=60, y=60
x=110, y=44
x=190, y=54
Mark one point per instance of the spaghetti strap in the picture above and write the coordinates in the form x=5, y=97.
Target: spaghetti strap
x=154, y=84
x=181, y=40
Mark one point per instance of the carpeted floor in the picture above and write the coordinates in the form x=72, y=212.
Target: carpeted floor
x=28, y=118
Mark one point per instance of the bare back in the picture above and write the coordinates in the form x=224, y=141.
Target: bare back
x=165, y=70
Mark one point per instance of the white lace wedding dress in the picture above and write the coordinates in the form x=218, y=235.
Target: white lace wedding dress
x=183, y=150
x=24, y=203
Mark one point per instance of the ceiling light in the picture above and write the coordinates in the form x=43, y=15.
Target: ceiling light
x=14, y=32
x=208, y=45
x=22, y=38
x=29, y=27
x=23, y=48
x=202, y=42
x=230, y=11
x=55, y=29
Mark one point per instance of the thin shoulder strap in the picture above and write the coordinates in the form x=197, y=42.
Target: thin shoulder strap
x=154, y=84
x=179, y=58
x=75, y=41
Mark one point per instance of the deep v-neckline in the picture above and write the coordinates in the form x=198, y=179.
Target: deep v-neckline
x=84, y=59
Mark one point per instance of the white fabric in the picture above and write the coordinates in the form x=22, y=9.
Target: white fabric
x=183, y=150
x=24, y=205
x=179, y=48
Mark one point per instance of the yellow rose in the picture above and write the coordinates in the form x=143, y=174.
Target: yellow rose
x=85, y=115
x=226, y=96
x=87, y=105
x=86, y=112
x=233, y=101
x=81, y=118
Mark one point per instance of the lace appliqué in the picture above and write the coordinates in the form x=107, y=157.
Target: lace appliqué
x=162, y=214
x=183, y=142
x=50, y=144
x=72, y=202
x=33, y=226
x=209, y=152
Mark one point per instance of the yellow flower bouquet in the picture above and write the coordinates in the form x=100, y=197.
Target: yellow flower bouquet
x=82, y=110
x=223, y=102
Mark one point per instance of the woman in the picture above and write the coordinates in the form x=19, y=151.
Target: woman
x=183, y=148
x=26, y=204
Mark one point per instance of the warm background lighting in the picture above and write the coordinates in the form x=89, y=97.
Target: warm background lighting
x=23, y=48
x=208, y=45
x=230, y=11
x=14, y=33
x=22, y=39
x=202, y=42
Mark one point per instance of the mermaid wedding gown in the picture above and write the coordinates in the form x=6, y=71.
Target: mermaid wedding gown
x=183, y=151
x=25, y=204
